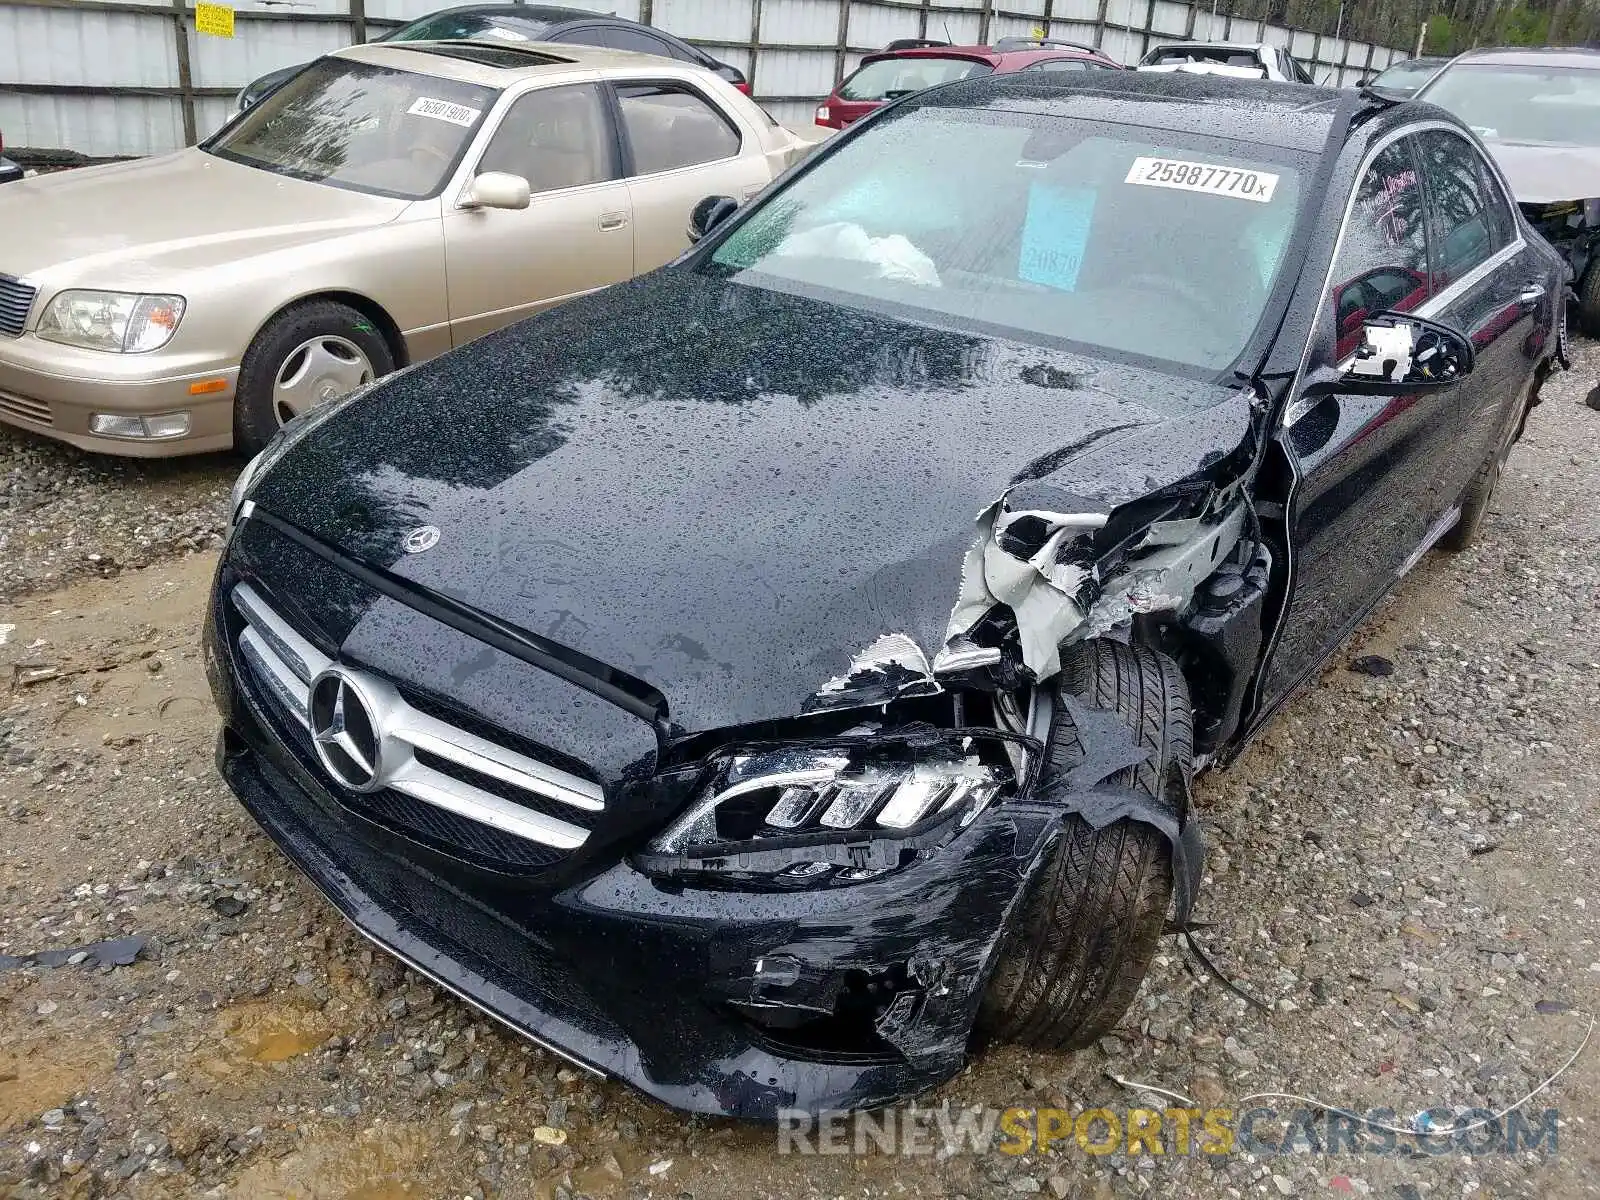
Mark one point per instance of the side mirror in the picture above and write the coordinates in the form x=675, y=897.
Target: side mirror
x=496, y=189
x=1402, y=353
x=1399, y=356
x=709, y=213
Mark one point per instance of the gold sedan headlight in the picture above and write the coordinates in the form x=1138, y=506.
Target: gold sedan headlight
x=119, y=322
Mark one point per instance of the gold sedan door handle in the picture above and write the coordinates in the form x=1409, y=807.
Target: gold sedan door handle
x=613, y=220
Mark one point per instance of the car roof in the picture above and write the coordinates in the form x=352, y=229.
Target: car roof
x=474, y=61
x=1533, y=56
x=986, y=54
x=542, y=14
x=1297, y=116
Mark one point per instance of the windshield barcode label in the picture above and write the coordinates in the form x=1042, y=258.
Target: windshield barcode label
x=443, y=110
x=1203, y=177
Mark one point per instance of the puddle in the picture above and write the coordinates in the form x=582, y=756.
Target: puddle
x=38, y=1076
x=273, y=1033
x=380, y=1163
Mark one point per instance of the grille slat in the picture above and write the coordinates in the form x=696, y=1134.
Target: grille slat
x=28, y=410
x=445, y=783
x=16, y=302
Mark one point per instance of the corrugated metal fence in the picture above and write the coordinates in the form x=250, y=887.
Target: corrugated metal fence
x=124, y=77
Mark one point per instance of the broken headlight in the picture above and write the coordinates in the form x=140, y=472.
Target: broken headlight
x=801, y=817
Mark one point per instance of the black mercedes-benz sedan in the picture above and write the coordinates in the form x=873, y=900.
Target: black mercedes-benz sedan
x=769, y=680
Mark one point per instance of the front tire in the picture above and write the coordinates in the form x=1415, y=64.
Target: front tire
x=1588, y=290
x=1084, y=937
x=307, y=355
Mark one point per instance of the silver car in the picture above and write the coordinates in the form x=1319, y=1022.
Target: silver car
x=386, y=204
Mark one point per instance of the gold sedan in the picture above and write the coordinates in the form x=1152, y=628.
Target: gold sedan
x=380, y=207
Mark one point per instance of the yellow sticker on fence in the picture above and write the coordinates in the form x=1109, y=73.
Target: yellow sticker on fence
x=213, y=19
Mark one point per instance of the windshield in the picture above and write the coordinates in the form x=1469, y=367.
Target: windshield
x=1406, y=76
x=891, y=77
x=361, y=127
x=1227, y=56
x=470, y=26
x=1113, y=238
x=1558, y=105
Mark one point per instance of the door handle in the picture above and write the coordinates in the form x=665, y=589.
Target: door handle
x=1531, y=294
x=613, y=220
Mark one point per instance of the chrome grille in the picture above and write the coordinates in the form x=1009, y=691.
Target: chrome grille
x=16, y=301
x=420, y=751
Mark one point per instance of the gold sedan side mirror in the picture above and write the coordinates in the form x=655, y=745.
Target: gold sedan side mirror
x=496, y=189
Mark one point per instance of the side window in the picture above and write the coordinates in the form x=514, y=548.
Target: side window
x=554, y=138
x=623, y=37
x=1469, y=216
x=1383, y=254
x=671, y=127
x=1058, y=64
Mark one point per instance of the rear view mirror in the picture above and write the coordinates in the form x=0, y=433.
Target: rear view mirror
x=709, y=213
x=1403, y=353
x=496, y=189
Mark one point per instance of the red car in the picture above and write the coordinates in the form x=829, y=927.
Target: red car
x=910, y=66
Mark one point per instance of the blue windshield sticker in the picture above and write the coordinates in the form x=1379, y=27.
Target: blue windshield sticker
x=1055, y=234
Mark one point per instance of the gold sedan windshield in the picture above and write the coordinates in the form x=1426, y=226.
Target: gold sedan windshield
x=362, y=127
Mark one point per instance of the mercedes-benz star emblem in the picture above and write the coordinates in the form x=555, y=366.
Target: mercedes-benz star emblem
x=345, y=735
x=423, y=537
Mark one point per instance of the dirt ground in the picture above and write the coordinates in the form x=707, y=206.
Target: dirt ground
x=1404, y=866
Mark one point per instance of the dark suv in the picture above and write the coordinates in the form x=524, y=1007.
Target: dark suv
x=909, y=66
x=531, y=23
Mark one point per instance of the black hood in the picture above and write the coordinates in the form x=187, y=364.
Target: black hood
x=724, y=490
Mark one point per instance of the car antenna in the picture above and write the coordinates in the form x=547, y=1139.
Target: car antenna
x=948, y=40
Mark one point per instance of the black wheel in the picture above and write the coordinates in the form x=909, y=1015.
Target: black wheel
x=1084, y=936
x=306, y=356
x=1589, y=300
x=1475, y=501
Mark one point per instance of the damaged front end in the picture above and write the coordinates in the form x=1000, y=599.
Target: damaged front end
x=928, y=802
x=1039, y=579
x=778, y=889
x=1572, y=227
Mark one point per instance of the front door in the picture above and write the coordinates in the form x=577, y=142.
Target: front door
x=1488, y=284
x=575, y=236
x=1369, y=468
x=682, y=148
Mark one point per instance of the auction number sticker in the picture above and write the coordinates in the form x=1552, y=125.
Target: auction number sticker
x=444, y=110
x=1203, y=177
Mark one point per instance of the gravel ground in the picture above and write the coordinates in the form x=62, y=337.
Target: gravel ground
x=65, y=514
x=1402, y=866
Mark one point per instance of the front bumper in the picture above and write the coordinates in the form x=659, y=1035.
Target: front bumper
x=54, y=390
x=654, y=984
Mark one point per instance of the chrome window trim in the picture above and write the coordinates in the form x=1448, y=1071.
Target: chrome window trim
x=1298, y=408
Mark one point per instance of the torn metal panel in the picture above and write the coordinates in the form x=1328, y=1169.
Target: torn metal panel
x=890, y=667
x=1174, y=558
x=1058, y=593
